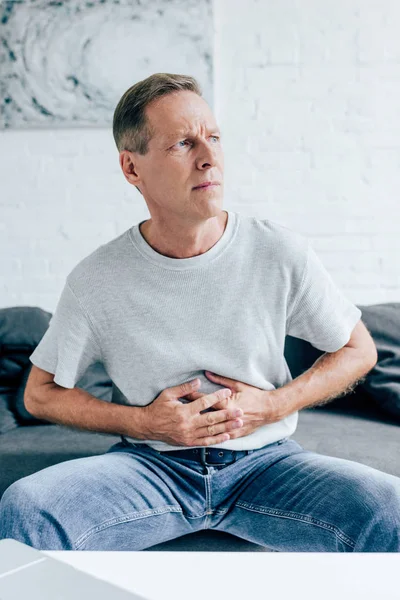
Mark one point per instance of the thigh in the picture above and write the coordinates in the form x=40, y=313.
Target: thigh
x=119, y=500
x=305, y=501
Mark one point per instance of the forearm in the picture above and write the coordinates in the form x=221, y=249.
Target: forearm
x=332, y=375
x=77, y=408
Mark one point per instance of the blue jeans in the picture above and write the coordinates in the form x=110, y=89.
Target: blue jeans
x=133, y=497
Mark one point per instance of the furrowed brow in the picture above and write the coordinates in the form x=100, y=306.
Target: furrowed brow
x=186, y=134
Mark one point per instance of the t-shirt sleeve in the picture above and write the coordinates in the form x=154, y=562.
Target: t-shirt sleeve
x=69, y=345
x=321, y=314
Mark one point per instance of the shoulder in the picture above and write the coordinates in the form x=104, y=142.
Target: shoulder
x=100, y=265
x=286, y=244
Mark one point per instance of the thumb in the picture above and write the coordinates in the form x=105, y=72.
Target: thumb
x=225, y=381
x=232, y=384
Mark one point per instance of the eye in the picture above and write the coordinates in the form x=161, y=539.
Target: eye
x=181, y=142
x=187, y=142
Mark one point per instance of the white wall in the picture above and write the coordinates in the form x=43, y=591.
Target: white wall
x=307, y=96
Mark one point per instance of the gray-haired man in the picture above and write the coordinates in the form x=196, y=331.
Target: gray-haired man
x=196, y=289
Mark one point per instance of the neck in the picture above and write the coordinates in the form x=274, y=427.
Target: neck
x=183, y=241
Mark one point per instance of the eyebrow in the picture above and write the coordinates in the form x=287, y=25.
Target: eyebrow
x=185, y=134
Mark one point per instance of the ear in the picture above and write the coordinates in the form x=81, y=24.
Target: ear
x=128, y=164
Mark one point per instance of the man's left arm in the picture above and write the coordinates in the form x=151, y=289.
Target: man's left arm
x=332, y=375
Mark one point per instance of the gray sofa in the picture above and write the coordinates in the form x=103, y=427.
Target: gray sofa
x=363, y=426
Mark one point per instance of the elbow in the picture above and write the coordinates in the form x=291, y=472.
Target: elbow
x=38, y=391
x=372, y=358
x=30, y=404
x=367, y=353
x=367, y=357
x=35, y=402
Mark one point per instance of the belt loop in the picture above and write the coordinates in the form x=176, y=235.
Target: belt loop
x=203, y=452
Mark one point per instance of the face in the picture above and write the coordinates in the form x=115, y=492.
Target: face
x=184, y=152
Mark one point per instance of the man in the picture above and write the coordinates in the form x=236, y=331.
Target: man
x=191, y=290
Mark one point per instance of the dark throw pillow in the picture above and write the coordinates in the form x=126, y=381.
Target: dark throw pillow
x=7, y=418
x=21, y=329
x=382, y=383
x=381, y=388
x=95, y=381
x=300, y=355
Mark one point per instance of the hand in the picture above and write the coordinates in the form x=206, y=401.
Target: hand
x=260, y=407
x=171, y=421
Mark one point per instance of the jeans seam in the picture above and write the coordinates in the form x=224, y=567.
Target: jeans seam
x=298, y=517
x=126, y=518
x=207, y=481
x=207, y=514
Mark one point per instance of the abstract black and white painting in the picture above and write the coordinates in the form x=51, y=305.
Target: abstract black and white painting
x=67, y=63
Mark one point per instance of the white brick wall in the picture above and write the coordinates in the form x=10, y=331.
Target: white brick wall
x=307, y=96
x=62, y=195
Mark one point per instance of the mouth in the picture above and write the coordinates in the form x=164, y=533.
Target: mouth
x=205, y=186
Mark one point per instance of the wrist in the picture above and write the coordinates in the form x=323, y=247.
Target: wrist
x=135, y=426
x=277, y=405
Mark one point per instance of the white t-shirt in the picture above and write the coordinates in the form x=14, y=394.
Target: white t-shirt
x=156, y=321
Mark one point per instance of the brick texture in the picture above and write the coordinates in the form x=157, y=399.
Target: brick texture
x=307, y=95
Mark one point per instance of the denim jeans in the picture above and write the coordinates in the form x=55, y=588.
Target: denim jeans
x=133, y=497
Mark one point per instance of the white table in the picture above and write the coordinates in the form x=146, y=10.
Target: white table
x=244, y=575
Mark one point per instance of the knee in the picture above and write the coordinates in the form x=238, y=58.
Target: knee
x=385, y=502
x=381, y=527
x=27, y=514
x=21, y=498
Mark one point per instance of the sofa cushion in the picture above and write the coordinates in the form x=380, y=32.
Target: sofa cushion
x=366, y=437
x=29, y=449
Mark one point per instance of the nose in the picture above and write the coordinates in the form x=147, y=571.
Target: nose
x=207, y=156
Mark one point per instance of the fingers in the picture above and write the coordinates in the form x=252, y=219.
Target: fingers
x=207, y=401
x=212, y=430
x=193, y=395
x=209, y=441
x=222, y=421
x=215, y=417
x=221, y=404
x=222, y=437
